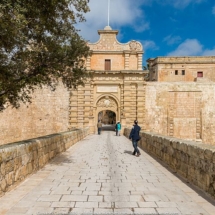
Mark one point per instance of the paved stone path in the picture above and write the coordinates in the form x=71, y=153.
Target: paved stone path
x=99, y=175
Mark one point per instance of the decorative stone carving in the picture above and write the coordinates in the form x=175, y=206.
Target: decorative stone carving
x=135, y=46
x=107, y=102
x=109, y=42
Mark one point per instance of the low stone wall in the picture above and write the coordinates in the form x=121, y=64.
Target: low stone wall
x=194, y=161
x=20, y=159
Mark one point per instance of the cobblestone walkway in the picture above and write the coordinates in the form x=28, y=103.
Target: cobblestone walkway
x=99, y=175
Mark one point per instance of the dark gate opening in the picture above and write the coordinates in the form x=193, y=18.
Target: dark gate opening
x=108, y=119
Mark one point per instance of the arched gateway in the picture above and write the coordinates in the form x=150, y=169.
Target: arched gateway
x=117, y=83
x=106, y=105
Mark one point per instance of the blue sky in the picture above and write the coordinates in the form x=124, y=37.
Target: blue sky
x=164, y=27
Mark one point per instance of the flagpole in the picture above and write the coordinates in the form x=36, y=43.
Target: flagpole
x=108, y=12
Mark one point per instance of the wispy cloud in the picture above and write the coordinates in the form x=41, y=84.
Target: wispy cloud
x=192, y=47
x=209, y=52
x=173, y=20
x=181, y=3
x=170, y=39
x=187, y=48
x=213, y=10
x=122, y=13
x=149, y=44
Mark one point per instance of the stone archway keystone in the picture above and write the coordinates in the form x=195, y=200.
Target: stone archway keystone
x=107, y=102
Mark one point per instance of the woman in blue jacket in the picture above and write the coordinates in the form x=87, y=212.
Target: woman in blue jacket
x=118, y=128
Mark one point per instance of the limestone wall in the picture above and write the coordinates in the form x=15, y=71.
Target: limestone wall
x=182, y=110
x=18, y=160
x=182, y=68
x=167, y=72
x=47, y=114
x=117, y=61
x=123, y=56
x=194, y=161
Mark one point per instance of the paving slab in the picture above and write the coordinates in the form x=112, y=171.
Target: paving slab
x=99, y=175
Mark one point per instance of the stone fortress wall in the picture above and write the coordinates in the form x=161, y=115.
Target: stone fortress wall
x=177, y=105
x=181, y=109
x=47, y=114
x=187, y=68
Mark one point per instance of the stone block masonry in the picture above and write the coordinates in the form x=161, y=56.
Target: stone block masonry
x=191, y=160
x=47, y=114
x=20, y=159
x=183, y=110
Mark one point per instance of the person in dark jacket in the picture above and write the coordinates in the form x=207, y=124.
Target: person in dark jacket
x=135, y=137
x=116, y=129
x=99, y=126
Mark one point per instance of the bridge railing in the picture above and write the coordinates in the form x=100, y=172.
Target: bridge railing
x=194, y=161
x=20, y=159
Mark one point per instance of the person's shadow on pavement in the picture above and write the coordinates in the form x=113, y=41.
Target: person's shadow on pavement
x=128, y=152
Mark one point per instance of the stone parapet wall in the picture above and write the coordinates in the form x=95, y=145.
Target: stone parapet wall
x=191, y=160
x=20, y=159
x=185, y=59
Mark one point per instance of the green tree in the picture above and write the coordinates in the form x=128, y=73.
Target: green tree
x=40, y=45
x=146, y=67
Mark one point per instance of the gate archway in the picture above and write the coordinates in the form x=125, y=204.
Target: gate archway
x=108, y=119
x=107, y=110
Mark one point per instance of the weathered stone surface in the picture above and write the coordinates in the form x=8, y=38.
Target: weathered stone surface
x=47, y=114
x=20, y=159
x=189, y=159
x=182, y=110
x=3, y=185
x=160, y=69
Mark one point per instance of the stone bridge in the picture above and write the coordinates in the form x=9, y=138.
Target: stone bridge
x=99, y=175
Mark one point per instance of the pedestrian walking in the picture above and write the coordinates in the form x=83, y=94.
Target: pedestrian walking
x=99, y=126
x=118, y=128
x=135, y=137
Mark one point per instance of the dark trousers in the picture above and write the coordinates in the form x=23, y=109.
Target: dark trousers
x=99, y=130
x=116, y=132
x=136, y=150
